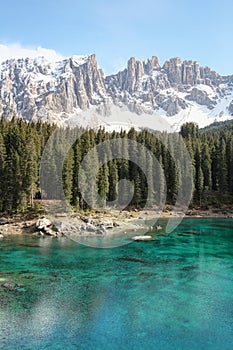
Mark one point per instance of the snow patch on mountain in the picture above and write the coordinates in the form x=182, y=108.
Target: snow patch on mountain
x=118, y=118
x=76, y=89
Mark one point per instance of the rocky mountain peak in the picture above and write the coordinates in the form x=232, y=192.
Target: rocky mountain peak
x=52, y=91
x=173, y=68
x=152, y=64
x=189, y=73
x=38, y=89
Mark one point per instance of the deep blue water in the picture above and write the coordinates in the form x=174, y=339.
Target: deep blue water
x=175, y=292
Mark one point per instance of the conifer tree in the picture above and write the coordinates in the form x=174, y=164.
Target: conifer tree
x=67, y=175
x=229, y=156
x=206, y=166
x=30, y=176
x=222, y=166
x=113, y=181
x=103, y=182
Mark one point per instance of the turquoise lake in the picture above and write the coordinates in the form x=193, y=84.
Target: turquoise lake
x=175, y=292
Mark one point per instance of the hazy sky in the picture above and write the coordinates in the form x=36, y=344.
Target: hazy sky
x=117, y=30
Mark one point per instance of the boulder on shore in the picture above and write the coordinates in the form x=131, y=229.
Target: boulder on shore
x=50, y=232
x=3, y=221
x=43, y=224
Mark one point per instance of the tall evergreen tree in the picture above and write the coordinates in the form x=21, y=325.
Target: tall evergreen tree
x=103, y=182
x=67, y=175
x=229, y=158
x=113, y=181
x=222, y=166
x=206, y=166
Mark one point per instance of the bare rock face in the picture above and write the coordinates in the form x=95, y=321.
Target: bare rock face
x=152, y=65
x=174, y=70
x=201, y=97
x=190, y=73
x=36, y=89
x=131, y=76
x=230, y=108
x=138, y=86
x=145, y=87
x=173, y=105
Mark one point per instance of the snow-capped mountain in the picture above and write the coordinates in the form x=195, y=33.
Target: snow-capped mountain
x=76, y=89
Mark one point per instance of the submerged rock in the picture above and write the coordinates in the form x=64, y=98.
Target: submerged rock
x=142, y=238
x=131, y=259
x=13, y=287
x=9, y=285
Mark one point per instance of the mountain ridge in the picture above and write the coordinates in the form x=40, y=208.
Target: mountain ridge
x=178, y=91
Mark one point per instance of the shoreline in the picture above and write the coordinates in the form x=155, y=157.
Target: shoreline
x=121, y=221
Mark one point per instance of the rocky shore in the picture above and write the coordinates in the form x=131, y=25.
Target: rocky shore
x=91, y=224
x=96, y=224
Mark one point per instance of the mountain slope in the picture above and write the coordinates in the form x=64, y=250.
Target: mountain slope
x=219, y=126
x=36, y=89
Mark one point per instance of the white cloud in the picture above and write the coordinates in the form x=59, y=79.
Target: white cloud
x=16, y=50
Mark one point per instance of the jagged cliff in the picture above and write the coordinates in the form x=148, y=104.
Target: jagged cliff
x=148, y=87
x=36, y=89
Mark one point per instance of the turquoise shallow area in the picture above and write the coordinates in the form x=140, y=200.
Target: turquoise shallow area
x=175, y=292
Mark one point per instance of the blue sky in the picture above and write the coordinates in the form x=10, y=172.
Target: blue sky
x=117, y=30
